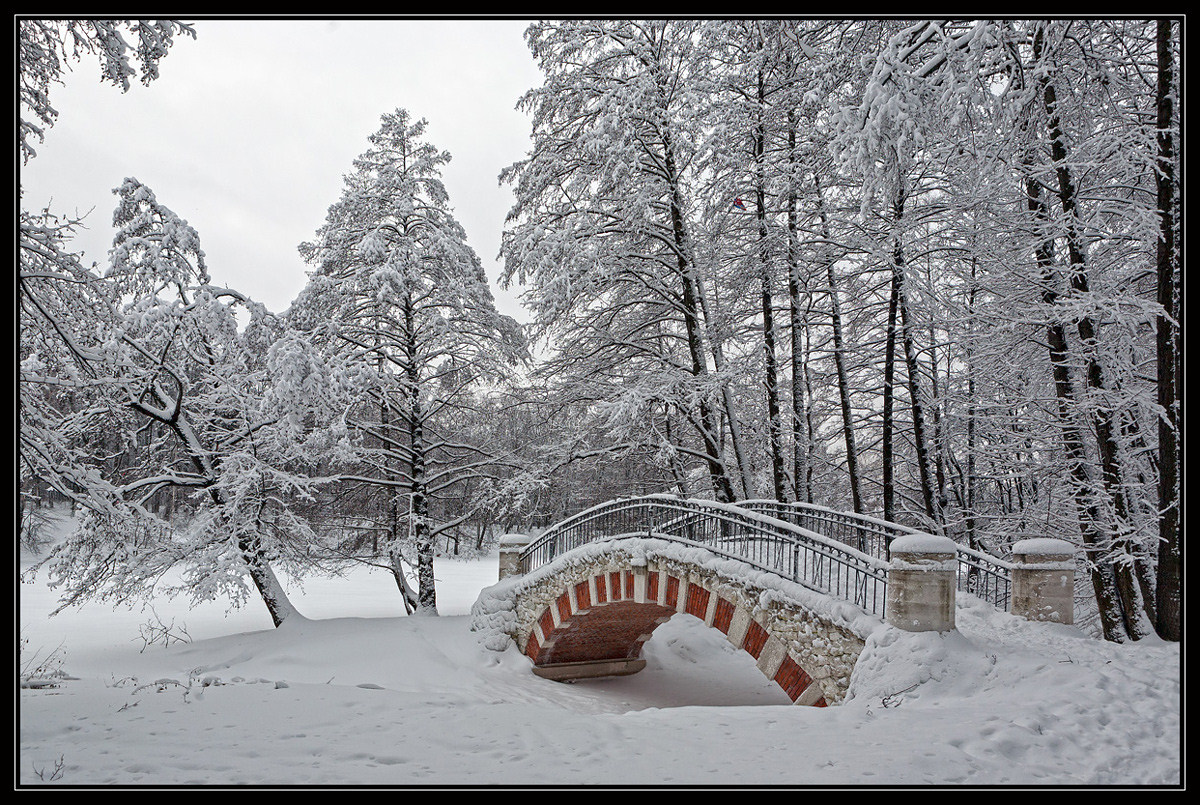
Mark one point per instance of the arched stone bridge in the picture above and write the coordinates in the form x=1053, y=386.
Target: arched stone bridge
x=591, y=614
x=584, y=597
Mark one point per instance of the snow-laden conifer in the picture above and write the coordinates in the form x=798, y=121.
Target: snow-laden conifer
x=401, y=299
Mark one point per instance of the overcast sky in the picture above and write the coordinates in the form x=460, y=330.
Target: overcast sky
x=250, y=127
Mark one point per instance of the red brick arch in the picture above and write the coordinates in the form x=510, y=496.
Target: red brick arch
x=601, y=618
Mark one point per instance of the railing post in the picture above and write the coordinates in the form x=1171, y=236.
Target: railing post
x=921, y=583
x=1043, y=580
x=511, y=546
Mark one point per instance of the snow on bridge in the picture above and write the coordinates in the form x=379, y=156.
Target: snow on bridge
x=582, y=599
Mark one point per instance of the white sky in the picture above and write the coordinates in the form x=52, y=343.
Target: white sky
x=250, y=127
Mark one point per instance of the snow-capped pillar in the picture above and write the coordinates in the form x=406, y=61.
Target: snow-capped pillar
x=1043, y=580
x=922, y=583
x=511, y=546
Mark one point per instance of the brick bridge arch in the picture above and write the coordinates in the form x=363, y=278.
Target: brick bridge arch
x=590, y=612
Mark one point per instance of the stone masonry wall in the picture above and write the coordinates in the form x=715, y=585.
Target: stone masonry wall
x=808, y=655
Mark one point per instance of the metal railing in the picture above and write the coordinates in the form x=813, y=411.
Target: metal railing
x=979, y=573
x=796, y=553
x=985, y=576
x=867, y=534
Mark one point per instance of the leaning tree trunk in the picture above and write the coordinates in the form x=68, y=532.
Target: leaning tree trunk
x=1108, y=597
x=912, y=365
x=839, y=353
x=1133, y=608
x=258, y=566
x=266, y=582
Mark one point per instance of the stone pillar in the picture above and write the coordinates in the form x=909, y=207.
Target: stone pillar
x=1043, y=580
x=511, y=546
x=922, y=580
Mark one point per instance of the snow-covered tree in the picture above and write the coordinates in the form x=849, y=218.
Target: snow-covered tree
x=142, y=381
x=63, y=310
x=972, y=315
x=1168, y=591
x=600, y=233
x=45, y=48
x=1033, y=108
x=399, y=296
x=180, y=394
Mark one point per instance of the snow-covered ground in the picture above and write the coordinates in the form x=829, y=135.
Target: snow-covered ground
x=357, y=694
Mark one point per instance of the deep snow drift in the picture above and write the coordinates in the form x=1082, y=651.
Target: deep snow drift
x=357, y=694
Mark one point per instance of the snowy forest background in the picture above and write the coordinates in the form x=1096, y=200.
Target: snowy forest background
x=926, y=270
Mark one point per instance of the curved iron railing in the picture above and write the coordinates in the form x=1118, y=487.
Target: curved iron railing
x=979, y=573
x=867, y=534
x=804, y=556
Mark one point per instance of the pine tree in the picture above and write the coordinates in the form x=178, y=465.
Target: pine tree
x=400, y=298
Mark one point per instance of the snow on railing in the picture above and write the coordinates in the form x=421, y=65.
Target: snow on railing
x=981, y=574
x=807, y=557
x=836, y=552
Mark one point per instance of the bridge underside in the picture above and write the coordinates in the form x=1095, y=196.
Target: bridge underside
x=597, y=627
x=614, y=630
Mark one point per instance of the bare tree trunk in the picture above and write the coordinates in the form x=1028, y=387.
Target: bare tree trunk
x=1168, y=610
x=407, y=593
x=1132, y=605
x=1108, y=601
x=393, y=502
x=971, y=482
x=912, y=366
x=839, y=354
x=419, y=507
x=678, y=472
x=809, y=428
x=940, y=453
x=800, y=436
x=744, y=469
x=722, y=488
x=771, y=374
x=889, y=393
x=395, y=558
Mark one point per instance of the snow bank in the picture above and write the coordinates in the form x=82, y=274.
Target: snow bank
x=357, y=695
